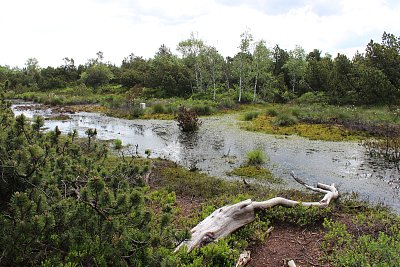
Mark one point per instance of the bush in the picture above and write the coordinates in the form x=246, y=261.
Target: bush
x=312, y=98
x=159, y=108
x=255, y=157
x=347, y=249
x=271, y=112
x=203, y=109
x=188, y=120
x=136, y=112
x=285, y=119
x=248, y=116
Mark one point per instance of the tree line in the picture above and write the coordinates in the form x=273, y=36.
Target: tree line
x=256, y=72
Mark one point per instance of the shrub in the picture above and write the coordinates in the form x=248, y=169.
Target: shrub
x=136, y=112
x=203, y=109
x=188, y=120
x=117, y=144
x=311, y=98
x=255, y=157
x=248, y=116
x=271, y=112
x=159, y=108
x=226, y=103
x=284, y=119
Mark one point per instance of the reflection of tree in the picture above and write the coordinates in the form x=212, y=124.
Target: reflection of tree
x=188, y=141
x=138, y=129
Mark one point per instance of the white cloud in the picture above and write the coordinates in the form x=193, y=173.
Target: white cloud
x=52, y=29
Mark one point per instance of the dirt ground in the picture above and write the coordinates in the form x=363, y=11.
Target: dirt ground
x=286, y=243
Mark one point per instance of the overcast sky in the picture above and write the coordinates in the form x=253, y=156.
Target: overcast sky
x=50, y=30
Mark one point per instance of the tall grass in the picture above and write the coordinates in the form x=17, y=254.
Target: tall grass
x=248, y=116
x=285, y=119
x=256, y=157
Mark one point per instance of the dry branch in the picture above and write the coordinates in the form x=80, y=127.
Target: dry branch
x=227, y=219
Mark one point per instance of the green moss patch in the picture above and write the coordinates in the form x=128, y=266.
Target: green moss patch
x=324, y=132
x=255, y=172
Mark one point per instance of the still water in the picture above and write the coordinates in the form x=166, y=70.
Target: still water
x=220, y=145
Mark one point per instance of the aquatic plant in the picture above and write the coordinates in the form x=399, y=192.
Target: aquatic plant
x=256, y=157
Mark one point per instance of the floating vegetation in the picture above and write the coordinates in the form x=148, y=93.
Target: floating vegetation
x=59, y=117
x=324, y=132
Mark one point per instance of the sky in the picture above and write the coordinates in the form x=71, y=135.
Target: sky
x=50, y=30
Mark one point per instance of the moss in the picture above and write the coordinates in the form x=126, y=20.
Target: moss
x=158, y=116
x=88, y=108
x=61, y=117
x=324, y=132
x=255, y=172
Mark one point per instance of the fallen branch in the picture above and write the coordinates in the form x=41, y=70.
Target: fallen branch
x=227, y=219
x=244, y=258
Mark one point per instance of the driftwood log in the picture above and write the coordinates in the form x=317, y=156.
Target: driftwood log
x=227, y=219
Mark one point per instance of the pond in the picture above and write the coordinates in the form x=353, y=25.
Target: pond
x=220, y=145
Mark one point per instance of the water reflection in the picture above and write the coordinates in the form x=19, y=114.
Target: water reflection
x=220, y=145
x=189, y=140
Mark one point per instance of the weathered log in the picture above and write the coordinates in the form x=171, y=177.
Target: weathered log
x=227, y=219
x=244, y=258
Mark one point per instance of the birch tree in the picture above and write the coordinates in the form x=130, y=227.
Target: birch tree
x=191, y=49
x=296, y=66
x=246, y=39
x=213, y=63
x=261, y=63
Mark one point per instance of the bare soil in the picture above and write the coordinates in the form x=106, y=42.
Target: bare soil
x=288, y=242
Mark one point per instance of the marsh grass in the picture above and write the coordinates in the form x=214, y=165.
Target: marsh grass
x=255, y=172
x=248, y=116
x=311, y=131
x=285, y=119
x=255, y=157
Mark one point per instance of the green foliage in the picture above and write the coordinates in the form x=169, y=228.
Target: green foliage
x=255, y=172
x=298, y=215
x=159, y=108
x=271, y=112
x=214, y=254
x=255, y=157
x=203, y=109
x=285, y=119
x=117, y=144
x=263, y=74
x=97, y=75
x=65, y=205
x=312, y=98
x=248, y=116
x=375, y=249
x=137, y=112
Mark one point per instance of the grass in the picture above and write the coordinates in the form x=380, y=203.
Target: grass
x=256, y=172
x=324, y=132
x=320, y=121
x=285, y=119
x=248, y=116
x=255, y=157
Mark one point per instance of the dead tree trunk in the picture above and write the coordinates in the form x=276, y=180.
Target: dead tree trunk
x=227, y=219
